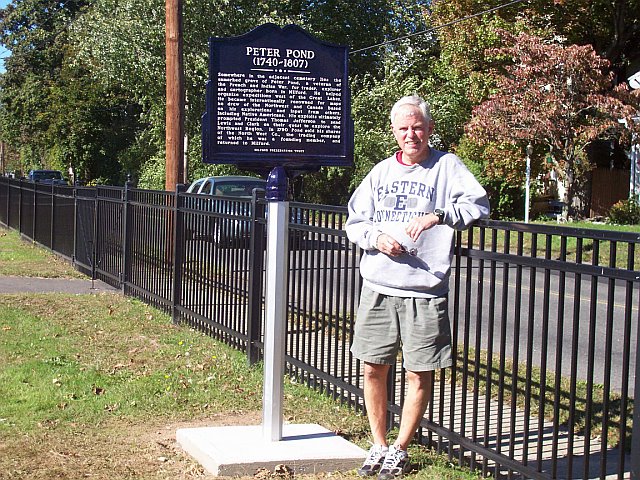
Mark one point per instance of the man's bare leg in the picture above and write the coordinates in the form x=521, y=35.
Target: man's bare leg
x=415, y=405
x=375, y=399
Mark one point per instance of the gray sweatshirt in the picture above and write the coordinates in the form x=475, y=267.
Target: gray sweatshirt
x=391, y=195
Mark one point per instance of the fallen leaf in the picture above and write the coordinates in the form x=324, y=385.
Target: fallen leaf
x=119, y=366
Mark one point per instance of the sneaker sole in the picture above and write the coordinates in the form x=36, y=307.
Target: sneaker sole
x=390, y=476
x=367, y=473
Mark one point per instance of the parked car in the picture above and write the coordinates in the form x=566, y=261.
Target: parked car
x=236, y=185
x=224, y=229
x=47, y=176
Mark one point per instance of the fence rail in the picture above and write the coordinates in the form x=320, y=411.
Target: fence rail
x=544, y=318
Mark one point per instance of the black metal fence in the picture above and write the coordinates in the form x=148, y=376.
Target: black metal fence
x=545, y=318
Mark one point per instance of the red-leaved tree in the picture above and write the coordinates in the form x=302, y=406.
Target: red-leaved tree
x=558, y=99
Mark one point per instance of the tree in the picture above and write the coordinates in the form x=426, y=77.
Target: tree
x=29, y=70
x=556, y=98
x=91, y=127
x=51, y=111
x=122, y=42
x=611, y=27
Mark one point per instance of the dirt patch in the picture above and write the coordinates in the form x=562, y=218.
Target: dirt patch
x=122, y=450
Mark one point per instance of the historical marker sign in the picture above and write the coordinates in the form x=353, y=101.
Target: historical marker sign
x=277, y=97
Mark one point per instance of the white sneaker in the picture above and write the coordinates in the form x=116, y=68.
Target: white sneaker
x=374, y=460
x=395, y=464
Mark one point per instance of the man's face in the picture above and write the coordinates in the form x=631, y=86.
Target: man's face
x=412, y=133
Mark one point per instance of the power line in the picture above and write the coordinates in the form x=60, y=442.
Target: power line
x=387, y=42
x=433, y=29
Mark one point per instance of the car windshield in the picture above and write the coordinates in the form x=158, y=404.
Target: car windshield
x=238, y=188
x=53, y=175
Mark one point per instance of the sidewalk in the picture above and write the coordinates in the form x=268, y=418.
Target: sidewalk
x=13, y=284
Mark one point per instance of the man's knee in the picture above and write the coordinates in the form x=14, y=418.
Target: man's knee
x=374, y=371
x=420, y=380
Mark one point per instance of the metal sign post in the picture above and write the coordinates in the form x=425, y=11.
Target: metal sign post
x=277, y=98
x=276, y=304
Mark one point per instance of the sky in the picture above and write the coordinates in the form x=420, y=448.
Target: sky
x=3, y=52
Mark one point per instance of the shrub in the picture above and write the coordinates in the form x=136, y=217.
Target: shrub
x=625, y=212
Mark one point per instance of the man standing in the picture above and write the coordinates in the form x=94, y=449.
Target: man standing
x=403, y=215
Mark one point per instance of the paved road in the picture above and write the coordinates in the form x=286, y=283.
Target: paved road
x=576, y=323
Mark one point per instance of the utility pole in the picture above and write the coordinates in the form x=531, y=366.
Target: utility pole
x=175, y=96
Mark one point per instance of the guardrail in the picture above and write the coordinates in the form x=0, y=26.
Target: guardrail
x=545, y=318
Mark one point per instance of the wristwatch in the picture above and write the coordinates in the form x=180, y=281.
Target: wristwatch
x=440, y=214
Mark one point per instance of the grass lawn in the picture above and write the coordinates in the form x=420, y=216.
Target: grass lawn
x=24, y=258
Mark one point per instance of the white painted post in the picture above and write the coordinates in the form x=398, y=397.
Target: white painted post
x=635, y=176
x=276, y=313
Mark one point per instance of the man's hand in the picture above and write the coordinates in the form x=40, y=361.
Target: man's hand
x=417, y=225
x=388, y=245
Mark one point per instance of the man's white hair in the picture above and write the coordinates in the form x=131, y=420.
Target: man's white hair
x=414, y=100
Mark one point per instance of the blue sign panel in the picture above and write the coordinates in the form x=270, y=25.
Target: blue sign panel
x=277, y=97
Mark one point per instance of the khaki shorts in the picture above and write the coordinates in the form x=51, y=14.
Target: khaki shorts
x=420, y=325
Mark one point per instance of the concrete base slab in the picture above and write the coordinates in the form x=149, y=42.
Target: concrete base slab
x=240, y=451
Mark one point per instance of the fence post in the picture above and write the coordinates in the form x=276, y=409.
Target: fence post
x=34, y=212
x=635, y=428
x=8, y=217
x=20, y=208
x=124, y=274
x=178, y=235
x=94, y=246
x=75, y=224
x=53, y=216
x=391, y=394
x=256, y=268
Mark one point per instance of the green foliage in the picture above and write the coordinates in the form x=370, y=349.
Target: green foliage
x=152, y=173
x=52, y=112
x=610, y=27
x=625, y=212
x=103, y=43
x=505, y=195
x=329, y=186
x=85, y=83
x=556, y=98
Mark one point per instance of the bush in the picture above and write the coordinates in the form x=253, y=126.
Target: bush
x=625, y=212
